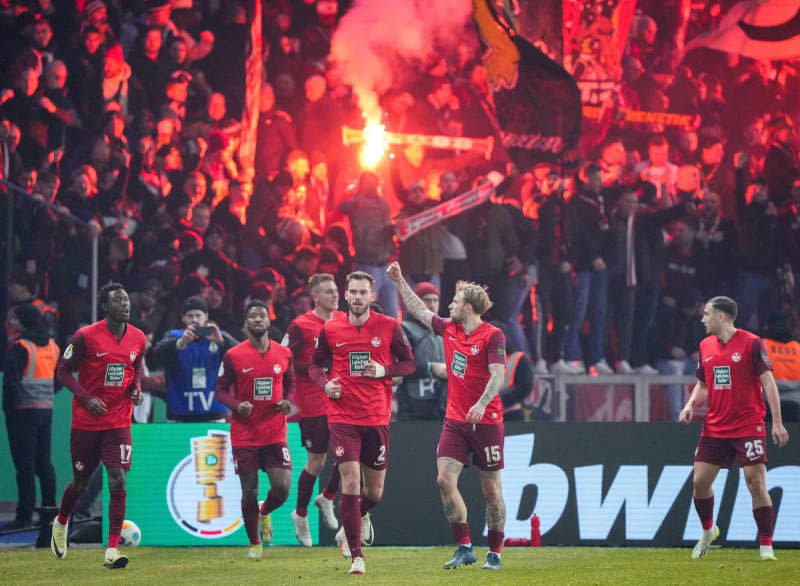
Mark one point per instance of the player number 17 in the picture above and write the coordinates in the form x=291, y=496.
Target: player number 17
x=125, y=453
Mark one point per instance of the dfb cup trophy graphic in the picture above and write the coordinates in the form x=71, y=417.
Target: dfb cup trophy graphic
x=209, y=467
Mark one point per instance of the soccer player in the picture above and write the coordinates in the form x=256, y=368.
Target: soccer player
x=108, y=358
x=301, y=337
x=365, y=350
x=260, y=374
x=475, y=356
x=732, y=370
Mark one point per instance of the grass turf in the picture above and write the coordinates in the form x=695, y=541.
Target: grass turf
x=387, y=565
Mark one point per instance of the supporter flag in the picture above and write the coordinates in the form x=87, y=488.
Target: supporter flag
x=247, y=150
x=760, y=29
x=537, y=105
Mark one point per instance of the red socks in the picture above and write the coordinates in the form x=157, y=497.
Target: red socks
x=495, y=540
x=366, y=504
x=305, y=488
x=332, y=487
x=351, y=521
x=116, y=515
x=271, y=503
x=68, y=502
x=460, y=533
x=705, y=510
x=763, y=517
x=250, y=516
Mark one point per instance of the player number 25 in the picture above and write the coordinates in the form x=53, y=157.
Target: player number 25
x=124, y=453
x=754, y=449
x=492, y=453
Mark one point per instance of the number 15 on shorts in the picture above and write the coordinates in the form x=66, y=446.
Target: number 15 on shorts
x=493, y=455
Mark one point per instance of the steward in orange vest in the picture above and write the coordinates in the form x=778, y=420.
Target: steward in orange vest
x=28, y=386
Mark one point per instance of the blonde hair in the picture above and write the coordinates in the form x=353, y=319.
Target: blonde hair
x=475, y=295
x=318, y=279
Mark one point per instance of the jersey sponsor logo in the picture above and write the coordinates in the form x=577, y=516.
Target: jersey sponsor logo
x=376, y=342
x=115, y=374
x=722, y=377
x=339, y=451
x=358, y=363
x=736, y=357
x=100, y=354
x=277, y=368
x=501, y=351
x=262, y=389
x=474, y=349
x=208, y=460
x=68, y=352
x=459, y=364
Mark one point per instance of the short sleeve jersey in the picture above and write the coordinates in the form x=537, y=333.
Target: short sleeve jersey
x=106, y=368
x=731, y=373
x=364, y=400
x=302, y=336
x=467, y=358
x=257, y=378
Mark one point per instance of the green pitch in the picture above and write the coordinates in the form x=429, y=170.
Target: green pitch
x=386, y=565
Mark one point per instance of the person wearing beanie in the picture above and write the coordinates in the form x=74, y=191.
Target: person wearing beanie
x=191, y=358
x=28, y=388
x=422, y=394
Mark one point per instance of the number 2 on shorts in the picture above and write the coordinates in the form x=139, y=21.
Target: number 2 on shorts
x=125, y=453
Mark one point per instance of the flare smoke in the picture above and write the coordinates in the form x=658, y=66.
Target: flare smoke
x=379, y=43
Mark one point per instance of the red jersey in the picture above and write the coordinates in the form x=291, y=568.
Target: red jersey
x=301, y=337
x=365, y=400
x=108, y=368
x=259, y=379
x=467, y=357
x=731, y=373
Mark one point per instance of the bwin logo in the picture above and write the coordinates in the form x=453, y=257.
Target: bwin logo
x=645, y=511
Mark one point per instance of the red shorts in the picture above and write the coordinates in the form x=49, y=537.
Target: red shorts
x=484, y=440
x=368, y=444
x=314, y=433
x=91, y=446
x=724, y=451
x=249, y=459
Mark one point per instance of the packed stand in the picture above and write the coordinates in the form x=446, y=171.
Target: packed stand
x=130, y=121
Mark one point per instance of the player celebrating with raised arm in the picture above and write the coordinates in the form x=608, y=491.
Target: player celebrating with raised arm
x=260, y=374
x=733, y=368
x=301, y=338
x=361, y=348
x=108, y=358
x=475, y=357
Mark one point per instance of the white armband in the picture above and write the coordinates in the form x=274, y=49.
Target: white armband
x=380, y=371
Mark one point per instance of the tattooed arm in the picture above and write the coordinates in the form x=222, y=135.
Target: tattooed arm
x=413, y=303
x=497, y=373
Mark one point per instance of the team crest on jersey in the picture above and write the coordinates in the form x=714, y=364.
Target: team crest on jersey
x=736, y=357
x=474, y=349
x=376, y=341
x=339, y=451
x=133, y=355
x=277, y=368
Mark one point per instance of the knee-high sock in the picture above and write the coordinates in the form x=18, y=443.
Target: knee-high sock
x=116, y=515
x=68, y=501
x=250, y=516
x=272, y=502
x=332, y=487
x=763, y=517
x=305, y=488
x=366, y=504
x=351, y=521
x=705, y=510
x=460, y=533
x=495, y=540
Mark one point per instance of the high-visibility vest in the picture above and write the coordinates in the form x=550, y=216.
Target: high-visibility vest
x=37, y=378
x=785, y=358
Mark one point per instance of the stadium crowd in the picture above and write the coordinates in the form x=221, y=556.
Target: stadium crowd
x=127, y=116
